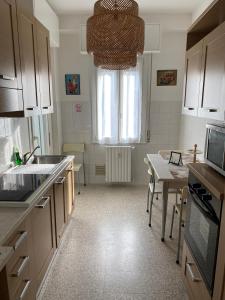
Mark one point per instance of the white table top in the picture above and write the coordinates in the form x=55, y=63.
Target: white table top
x=163, y=170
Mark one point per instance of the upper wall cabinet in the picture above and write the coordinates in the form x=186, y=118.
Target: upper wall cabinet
x=193, y=79
x=9, y=49
x=25, y=75
x=28, y=56
x=213, y=91
x=10, y=73
x=204, y=89
x=44, y=68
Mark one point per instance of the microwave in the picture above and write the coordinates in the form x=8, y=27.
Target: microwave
x=215, y=147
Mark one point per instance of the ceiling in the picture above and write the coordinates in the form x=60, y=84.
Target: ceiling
x=146, y=6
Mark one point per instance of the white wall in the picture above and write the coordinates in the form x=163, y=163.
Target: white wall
x=45, y=14
x=200, y=9
x=166, y=101
x=13, y=132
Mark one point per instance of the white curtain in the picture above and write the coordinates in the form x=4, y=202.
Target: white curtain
x=120, y=104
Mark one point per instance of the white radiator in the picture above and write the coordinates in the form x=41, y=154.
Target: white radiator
x=118, y=164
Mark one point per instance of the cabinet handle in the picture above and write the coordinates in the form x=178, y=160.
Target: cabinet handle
x=44, y=201
x=61, y=180
x=24, y=291
x=211, y=109
x=5, y=77
x=190, y=108
x=23, y=235
x=189, y=268
x=30, y=108
x=21, y=267
x=45, y=107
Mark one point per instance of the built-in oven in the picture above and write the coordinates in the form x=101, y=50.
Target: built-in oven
x=202, y=228
x=215, y=147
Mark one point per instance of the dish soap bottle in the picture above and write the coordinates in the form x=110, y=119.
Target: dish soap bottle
x=17, y=159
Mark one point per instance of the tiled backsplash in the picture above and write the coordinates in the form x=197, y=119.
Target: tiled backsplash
x=13, y=132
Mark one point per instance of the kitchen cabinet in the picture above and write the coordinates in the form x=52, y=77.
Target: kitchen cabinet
x=192, y=277
x=25, y=69
x=43, y=235
x=60, y=211
x=193, y=79
x=204, y=88
x=16, y=277
x=44, y=68
x=10, y=73
x=28, y=56
x=69, y=192
x=213, y=92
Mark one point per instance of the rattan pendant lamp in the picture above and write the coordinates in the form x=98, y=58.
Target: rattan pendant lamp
x=115, y=34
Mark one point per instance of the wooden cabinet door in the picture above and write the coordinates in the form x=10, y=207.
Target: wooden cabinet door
x=69, y=193
x=196, y=287
x=60, y=212
x=28, y=46
x=213, y=96
x=44, y=68
x=43, y=234
x=192, y=83
x=10, y=75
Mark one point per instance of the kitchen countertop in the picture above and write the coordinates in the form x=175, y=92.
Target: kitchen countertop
x=11, y=217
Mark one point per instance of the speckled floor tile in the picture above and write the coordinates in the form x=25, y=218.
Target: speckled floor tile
x=108, y=252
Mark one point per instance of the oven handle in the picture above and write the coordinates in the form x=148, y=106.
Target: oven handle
x=206, y=211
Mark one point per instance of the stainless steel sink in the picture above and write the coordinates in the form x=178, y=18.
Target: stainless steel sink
x=48, y=159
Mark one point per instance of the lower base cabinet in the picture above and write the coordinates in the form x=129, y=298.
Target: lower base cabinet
x=60, y=212
x=192, y=277
x=36, y=239
x=43, y=235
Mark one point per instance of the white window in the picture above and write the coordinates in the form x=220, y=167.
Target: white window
x=120, y=103
x=119, y=106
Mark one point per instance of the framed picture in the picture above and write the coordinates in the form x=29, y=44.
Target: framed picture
x=72, y=82
x=175, y=158
x=166, y=77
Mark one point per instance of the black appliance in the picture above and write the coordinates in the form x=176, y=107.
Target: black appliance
x=18, y=187
x=215, y=147
x=202, y=228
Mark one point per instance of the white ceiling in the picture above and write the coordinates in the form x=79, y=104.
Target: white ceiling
x=146, y=6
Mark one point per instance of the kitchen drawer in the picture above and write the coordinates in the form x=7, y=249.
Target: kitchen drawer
x=17, y=270
x=195, y=285
x=24, y=291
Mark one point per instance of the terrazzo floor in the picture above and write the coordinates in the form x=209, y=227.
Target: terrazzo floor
x=108, y=251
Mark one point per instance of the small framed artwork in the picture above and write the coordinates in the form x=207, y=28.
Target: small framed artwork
x=72, y=82
x=175, y=158
x=166, y=77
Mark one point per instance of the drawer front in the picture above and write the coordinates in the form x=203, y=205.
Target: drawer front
x=24, y=291
x=192, y=277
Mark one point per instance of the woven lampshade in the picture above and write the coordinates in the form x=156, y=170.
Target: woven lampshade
x=115, y=34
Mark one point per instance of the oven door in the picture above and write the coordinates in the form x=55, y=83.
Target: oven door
x=201, y=234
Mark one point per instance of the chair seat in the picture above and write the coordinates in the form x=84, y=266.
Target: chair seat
x=77, y=167
x=159, y=188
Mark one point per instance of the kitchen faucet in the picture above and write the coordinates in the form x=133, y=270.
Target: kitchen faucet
x=25, y=159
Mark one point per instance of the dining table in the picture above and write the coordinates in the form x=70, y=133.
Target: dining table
x=171, y=176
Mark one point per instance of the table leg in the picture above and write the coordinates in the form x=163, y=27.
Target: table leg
x=164, y=208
